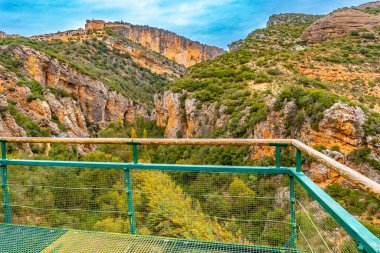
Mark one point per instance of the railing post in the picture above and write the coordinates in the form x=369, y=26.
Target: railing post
x=129, y=191
x=293, y=222
x=278, y=152
x=4, y=185
x=298, y=160
x=292, y=197
x=278, y=156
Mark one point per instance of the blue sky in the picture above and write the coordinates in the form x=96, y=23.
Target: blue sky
x=215, y=22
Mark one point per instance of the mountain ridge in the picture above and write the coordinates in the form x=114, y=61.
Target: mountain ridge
x=175, y=47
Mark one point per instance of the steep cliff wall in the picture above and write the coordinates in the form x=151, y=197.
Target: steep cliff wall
x=174, y=47
x=80, y=102
x=186, y=117
x=145, y=58
x=171, y=45
x=341, y=126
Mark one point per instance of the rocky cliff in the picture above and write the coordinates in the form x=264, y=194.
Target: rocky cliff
x=339, y=24
x=174, y=47
x=177, y=48
x=71, y=102
x=273, y=85
x=186, y=117
x=4, y=35
x=146, y=59
x=341, y=126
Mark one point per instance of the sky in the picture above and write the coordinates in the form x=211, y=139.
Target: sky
x=214, y=22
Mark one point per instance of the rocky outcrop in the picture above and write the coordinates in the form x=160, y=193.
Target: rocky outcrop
x=344, y=122
x=174, y=47
x=339, y=24
x=236, y=45
x=370, y=5
x=185, y=117
x=8, y=126
x=292, y=19
x=3, y=35
x=284, y=19
x=89, y=100
x=156, y=64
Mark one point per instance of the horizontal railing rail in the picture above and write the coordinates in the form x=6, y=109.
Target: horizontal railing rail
x=366, y=241
x=353, y=176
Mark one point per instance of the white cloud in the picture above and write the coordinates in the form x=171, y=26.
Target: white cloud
x=160, y=12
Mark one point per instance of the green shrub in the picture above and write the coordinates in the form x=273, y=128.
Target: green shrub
x=372, y=125
x=356, y=202
x=354, y=33
x=31, y=128
x=311, y=101
x=204, y=95
x=9, y=61
x=369, y=36
x=35, y=87
x=361, y=155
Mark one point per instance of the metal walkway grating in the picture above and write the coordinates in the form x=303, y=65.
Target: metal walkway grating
x=15, y=238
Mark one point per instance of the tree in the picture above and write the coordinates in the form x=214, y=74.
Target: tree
x=133, y=133
x=145, y=133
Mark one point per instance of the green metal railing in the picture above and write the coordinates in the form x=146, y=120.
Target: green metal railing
x=365, y=241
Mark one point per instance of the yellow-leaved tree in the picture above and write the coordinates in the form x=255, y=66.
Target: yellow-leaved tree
x=133, y=133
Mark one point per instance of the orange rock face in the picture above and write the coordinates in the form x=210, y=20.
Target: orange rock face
x=174, y=47
x=339, y=24
x=89, y=99
x=148, y=60
x=95, y=24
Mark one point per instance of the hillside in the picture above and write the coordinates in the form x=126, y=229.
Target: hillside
x=177, y=48
x=274, y=85
x=303, y=77
x=75, y=83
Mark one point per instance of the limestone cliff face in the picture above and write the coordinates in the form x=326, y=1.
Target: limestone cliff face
x=88, y=100
x=156, y=64
x=342, y=125
x=186, y=117
x=339, y=24
x=174, y=47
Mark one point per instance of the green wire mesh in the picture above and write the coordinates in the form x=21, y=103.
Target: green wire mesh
x=318, y=231
x=38, y=239
x=193, y=211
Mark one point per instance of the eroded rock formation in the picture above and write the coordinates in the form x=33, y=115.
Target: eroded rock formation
x=174, y=47
x=339, y=24
x=345, y=123
x=89, y=100
x=185, y=117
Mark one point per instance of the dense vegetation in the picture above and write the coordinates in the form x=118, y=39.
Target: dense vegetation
x=93, y=58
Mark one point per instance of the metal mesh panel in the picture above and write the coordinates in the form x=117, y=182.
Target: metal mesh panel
x=221, y=207
x=239, y=208
x=39, y=239
x=68, y=198
x=318, y=231
x=244, y=212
